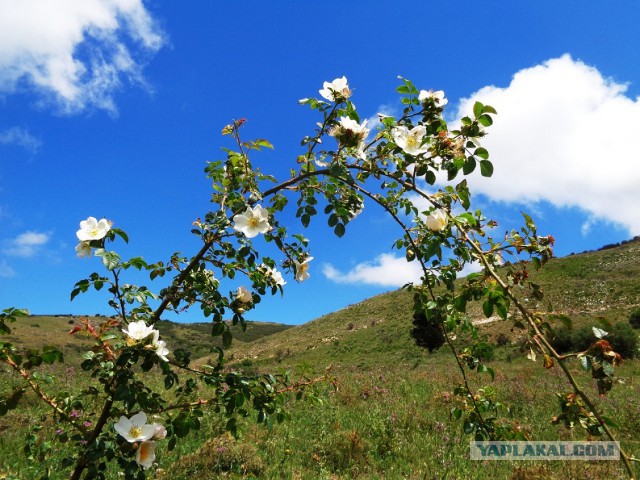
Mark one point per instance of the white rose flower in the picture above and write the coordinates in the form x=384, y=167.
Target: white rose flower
x=160, y=346
x=411, y=140
x=243, y=295
x=146, y=454
x=135, y=429
x=252, y=222
x=351, y=134
x=138, y=330
x=437, y=97
x=92, y=229
x=274, y=274
x=437, y=220
x=336, y=91
x=83, y=249
x=302, y=269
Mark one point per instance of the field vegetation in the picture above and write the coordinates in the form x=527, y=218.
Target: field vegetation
x=384, y=411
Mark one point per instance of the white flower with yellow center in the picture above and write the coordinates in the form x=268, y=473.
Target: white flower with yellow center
x=437, y=97
x=135, y=429
x=252, y=222
x=302, y=269
x=138, y=330
x=274, y=275
x=336, y=91
x=437, y=220
x=146, y=454
x=92, y=229
x=243, y=295
x=410, y=141
x=351, y=134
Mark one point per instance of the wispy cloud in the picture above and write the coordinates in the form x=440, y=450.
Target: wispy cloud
x=20, y=137
x=5, y=270
x=385, y=270
x=563, y=134
x=74, y=54
x=27, y=244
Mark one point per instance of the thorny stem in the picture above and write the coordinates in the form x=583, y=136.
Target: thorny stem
x=542, y=338
x=38, y=391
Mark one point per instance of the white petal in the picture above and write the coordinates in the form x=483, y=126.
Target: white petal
x=146, y=454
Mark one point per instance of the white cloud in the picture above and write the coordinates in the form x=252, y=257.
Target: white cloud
x=386, y=270
x=27, y=244
x=563, y=134
x=21, y=137
x=74, y=53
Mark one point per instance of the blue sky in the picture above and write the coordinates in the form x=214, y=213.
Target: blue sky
x=111, y=109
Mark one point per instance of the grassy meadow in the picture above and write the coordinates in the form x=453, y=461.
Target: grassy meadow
x=387, y=413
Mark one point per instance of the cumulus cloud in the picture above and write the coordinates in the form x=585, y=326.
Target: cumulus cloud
x=20, y=137
x=74, y=53
x=386, y=270
x=564, y=134
x=27, y=244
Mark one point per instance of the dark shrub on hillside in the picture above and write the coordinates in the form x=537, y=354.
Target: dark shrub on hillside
x=624, y=340
x=427, y=331
x=582, y=338
x=562, y=342
x=634, y=318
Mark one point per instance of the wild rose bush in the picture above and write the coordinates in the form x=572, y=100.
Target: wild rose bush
x=405, y=162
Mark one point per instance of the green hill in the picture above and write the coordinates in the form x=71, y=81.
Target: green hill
x=37, y=331
x=589, y=287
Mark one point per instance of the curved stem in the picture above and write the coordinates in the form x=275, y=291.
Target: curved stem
x=559, y=358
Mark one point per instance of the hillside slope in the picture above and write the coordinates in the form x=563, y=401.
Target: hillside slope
x=588, y=287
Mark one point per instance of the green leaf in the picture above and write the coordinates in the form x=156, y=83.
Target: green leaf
x=339, y=230
x=609, y=422
x=486, y=168
x=477, y=109
x=487, y=308
x=51, y=355
x=111, y=260
x=217, y=329
x=482, y=153
x=264, y=143
x=485, y=120
x=469, y=166
x=121, y=234
x=502, y=310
